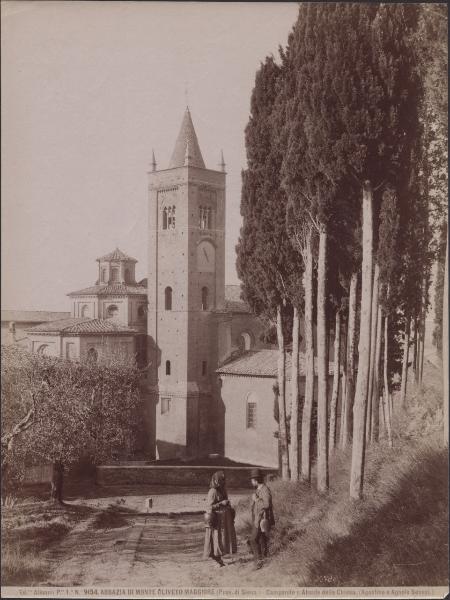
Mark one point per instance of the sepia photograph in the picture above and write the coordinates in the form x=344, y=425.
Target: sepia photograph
x=224, y=299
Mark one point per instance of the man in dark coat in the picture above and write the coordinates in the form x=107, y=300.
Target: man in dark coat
x=262, y=517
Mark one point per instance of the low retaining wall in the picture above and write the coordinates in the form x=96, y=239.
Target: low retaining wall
x=188, y=476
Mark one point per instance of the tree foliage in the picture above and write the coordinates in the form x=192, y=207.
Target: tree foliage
x=79, y=410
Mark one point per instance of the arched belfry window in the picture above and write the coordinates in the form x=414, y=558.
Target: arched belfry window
x=115, y=274
x=168, y=217
x=85, y=310
x=127, y=276
x=204, y=298
x=104, y=274
x=205, y=220
x=168, y=298
x=171, y=217
x=167, y=367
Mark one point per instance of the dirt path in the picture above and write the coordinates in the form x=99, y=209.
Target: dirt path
x=150, y=551
x=169, y=553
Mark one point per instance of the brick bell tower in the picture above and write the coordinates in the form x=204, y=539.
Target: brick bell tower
x=186, y=285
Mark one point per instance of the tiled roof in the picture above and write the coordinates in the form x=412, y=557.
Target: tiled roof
x=32, y=316
x=116, y=255
x=187, y=146
x=82, y=325
x=111, y=289
x=263, y=363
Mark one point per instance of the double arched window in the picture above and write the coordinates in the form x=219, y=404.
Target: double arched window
x=168, y=298
x=204, y=298
x=205, y=220
x=168, y=217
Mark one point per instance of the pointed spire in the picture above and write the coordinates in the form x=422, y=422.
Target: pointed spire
x=153, y=163
x=222, y=162
x=187, y=145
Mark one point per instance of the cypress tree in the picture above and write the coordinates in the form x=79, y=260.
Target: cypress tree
x=264, y=263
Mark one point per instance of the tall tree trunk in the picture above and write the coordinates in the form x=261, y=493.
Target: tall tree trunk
x=405, y=362
x=350, y=362
x=336, y=377
x=376, y=382
x=362, y=380
x=414, y=335
x=282, y=396
x=445, y=346
x=373, y=342
x=294, y=396
x=322, y=366
x=386, y=392
x=343, y=367
x=56, y=484
x=422, y=328
x=309, y=362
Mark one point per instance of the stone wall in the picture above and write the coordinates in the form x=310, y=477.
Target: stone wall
x=187, y=476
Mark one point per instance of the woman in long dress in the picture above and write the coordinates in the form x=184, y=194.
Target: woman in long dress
x=220, y=534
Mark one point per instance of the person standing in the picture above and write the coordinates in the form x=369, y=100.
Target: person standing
x=262, y=517
x=220, y=534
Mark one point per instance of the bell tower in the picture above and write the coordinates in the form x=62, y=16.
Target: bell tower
x=186, y=285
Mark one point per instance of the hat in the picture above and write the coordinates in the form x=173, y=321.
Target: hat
x=256, y=474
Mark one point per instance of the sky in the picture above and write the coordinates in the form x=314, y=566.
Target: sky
x=88, y=90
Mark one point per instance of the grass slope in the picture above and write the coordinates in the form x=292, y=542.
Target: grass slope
x=396, y=535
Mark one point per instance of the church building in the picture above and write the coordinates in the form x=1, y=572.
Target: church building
x=210, y=379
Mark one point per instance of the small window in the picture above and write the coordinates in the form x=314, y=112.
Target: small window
x=115, y=274
x=168, y=298
x=251, y=415
x=204, y=367
x=204, y=298
x=92, y=356
x=167, y=367
x=43, y=350
x=104, y=272
x=245, y=342
x=164, y=218
x=165, y=405
x=112, y=311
